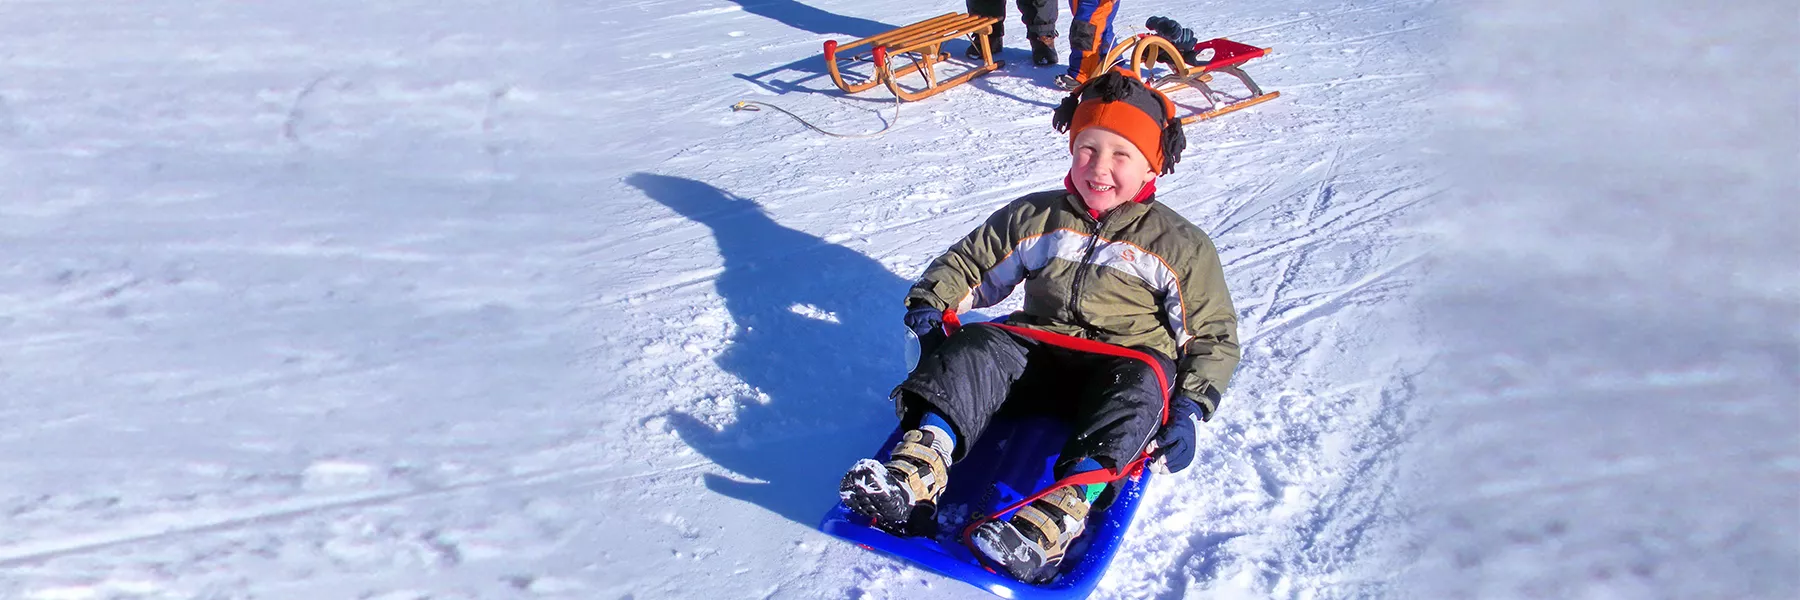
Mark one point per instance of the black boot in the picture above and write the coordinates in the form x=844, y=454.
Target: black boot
x=1043, y=51
x=974, y=51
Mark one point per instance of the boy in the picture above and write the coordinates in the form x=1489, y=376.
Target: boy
x=1100, y=260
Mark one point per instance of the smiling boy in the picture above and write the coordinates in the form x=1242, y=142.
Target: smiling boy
x=1101, y=260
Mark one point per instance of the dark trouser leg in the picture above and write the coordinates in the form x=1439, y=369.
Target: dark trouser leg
x=1120, y=409
x=965, y=380
x=1039, y=17
x=990, y=8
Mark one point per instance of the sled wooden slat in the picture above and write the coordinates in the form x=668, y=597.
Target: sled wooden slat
x=922, y=44
x=895, y=34
x=1145, y=50
x=944, y=31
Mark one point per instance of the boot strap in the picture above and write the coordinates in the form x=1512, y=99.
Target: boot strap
x=924, y=484
x=1046, y=520
x=921, y=453
x=921, y=467
x=1070, y=500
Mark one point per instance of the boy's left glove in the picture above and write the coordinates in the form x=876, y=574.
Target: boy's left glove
x=923, y=320
x=1175, y=442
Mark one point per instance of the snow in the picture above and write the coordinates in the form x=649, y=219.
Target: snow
x=411, y=300
x=1619, y=312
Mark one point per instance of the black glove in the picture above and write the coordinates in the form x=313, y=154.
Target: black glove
x=923, y=320
x=1175, y=443
x=1181, y=37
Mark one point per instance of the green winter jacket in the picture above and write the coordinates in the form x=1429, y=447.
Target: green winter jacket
x=1142, y=276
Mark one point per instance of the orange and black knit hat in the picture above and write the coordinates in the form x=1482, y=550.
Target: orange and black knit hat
x=1121, y=103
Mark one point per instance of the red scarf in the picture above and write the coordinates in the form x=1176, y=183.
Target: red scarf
x=1142, y=195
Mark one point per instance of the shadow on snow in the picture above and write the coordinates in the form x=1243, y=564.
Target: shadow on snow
x=806, y=18
x=817, y=330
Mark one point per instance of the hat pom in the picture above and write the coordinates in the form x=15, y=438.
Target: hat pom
x=1173, y=142
x=1113, y=87
x=1065, y=113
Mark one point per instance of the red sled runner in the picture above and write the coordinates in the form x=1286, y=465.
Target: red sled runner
x=1012, y=464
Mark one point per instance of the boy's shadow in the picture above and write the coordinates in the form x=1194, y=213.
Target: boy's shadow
x=806, y=18
x=817, y=331
x=803, y=17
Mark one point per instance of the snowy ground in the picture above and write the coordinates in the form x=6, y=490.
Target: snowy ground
x=1616, y=403
x=412, y=300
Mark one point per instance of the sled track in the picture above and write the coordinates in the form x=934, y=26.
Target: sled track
x=1339, y=13
x=29, y=553
x=1312, y=236
x=1391, y=429
x=1288, y=185
x=1323, y=307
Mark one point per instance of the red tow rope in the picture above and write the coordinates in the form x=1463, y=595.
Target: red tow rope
x=952, y=324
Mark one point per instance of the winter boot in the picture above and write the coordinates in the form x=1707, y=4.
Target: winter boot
x=1031, y=544
x=915, y=476
x=1043, y=51
x=974, y=51
x=1067, y=82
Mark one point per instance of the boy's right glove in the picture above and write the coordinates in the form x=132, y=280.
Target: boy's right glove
x=1175, y=442
x=924, y=320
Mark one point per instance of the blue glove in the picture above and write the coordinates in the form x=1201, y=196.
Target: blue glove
x=924, y=319
x=1175, y=443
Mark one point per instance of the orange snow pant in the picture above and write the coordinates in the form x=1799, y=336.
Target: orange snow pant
x=1090, y=35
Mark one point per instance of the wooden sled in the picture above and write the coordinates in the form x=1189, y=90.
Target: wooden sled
x=1145, y=50
x=921, y=42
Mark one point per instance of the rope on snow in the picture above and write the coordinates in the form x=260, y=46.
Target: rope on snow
x=752, y=106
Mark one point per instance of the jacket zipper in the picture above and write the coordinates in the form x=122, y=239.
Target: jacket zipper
x=1081, y=270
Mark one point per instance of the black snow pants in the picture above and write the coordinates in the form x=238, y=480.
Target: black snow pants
x=1039, y=16
x=1114, y=403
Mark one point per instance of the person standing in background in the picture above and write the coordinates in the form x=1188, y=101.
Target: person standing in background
x=1039, y=17
x=1090, y=38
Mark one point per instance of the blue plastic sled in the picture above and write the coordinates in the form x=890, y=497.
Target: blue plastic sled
x=1012, y=460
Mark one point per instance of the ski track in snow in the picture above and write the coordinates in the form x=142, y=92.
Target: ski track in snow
x=454, y=300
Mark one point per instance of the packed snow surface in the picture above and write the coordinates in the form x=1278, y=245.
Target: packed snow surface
x=433, y=300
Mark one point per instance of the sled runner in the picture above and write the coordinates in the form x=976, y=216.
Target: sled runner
x=920, y=42
x=1009, y=466
x=1145, y=50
